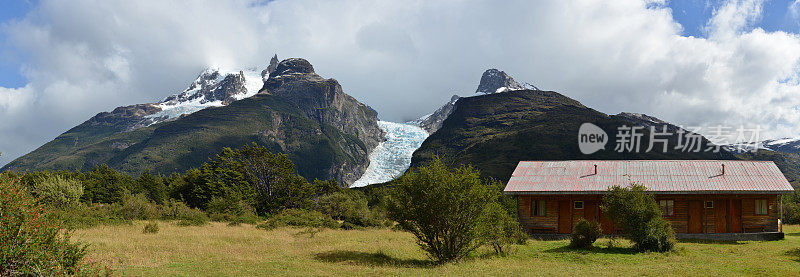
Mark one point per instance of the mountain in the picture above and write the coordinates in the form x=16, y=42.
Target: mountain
x=327, y=133
x=492, y=81
x=493, y=132
x=646, y=121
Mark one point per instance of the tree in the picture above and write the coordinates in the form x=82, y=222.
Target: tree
x=441, y=208
x=252, y=174
x=153, y=187
x=640, y=217
x=105, y=185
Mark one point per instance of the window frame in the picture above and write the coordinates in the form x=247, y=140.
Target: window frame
x=535, y=207
x=575, y=204
x=707, y=206
x=764, y=209
x=670, y=206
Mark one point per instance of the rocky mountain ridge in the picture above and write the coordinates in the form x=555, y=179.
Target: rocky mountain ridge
x=327, y=133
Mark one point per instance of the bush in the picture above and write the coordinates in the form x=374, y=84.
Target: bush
x=59, y=191
x=196, y=219
x=138, y=207
x=150, y=228
x=441, y=208
x=584, y=234
x=640, y=217
x=174, y=209
x=498, y=229
x=658, y=236
x=243, y=219
x=348, y=206
x=83, y=216
x=299, y=218
x=33, y=241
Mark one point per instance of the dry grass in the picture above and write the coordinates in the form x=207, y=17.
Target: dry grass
x=217, y=249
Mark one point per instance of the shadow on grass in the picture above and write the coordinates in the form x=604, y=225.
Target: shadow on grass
x=371, y=259
x=795, y=253
x=792, y=234
x=705, y=241
x=606, y=250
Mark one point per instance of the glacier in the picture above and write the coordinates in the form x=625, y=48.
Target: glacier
x=392, y=157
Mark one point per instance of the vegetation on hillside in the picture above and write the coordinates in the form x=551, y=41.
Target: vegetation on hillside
x=494, y=132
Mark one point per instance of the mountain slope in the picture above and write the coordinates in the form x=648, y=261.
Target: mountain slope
x=495, y=131
x=327, y=133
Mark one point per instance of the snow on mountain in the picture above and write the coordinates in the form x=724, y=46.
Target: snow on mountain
x=392, y=157
x=214, y=87
x=786, y=145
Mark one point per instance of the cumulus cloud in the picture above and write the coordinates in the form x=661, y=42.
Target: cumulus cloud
x=404, y=58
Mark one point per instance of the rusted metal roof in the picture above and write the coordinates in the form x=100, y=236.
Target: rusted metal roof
x=661, y=176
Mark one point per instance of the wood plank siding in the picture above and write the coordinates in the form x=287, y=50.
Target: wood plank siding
x=725, y=213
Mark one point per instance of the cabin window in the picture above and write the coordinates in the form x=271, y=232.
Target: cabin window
x=761, y=206
x=709, y=204
x=537, y=207
x=667, y=207
x=578, y=205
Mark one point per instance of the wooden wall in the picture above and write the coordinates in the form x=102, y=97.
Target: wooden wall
x=750, y=222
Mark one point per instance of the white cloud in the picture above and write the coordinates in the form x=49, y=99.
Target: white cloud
x=405, y=58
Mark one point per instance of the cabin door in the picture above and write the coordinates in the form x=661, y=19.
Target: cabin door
x=736, y=216
x=606, y=224
x=721, y=216
x=695, y=217
x=590, y=211
x=564, y=218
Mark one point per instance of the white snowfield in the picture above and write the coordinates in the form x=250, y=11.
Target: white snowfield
x=175, y=108
x=392, y=157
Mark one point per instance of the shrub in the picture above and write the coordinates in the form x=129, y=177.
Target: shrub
x=584, y=234
x=348, y=206
x=640, y=217
x=196, y=219
x=58, y=191
x=83, y=216
x=441, y=208
x=658, y=236
x=150, y=228
x=33, y=241
x=174, y=209
x=498, y=229
x=299, y=218
x=138, y=207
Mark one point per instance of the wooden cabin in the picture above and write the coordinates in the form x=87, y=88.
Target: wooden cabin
x=711, y=197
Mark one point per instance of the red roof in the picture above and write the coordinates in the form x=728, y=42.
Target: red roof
x=662, y=176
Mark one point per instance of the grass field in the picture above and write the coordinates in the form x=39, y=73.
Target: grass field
x=218, y=249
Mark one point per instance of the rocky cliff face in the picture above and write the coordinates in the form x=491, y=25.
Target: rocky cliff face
x=493, y=81
x=324, y=101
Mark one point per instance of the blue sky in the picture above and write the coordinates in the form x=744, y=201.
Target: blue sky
x=10, y=75
x=694, y=14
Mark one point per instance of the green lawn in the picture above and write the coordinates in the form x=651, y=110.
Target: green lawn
x=218, y=249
